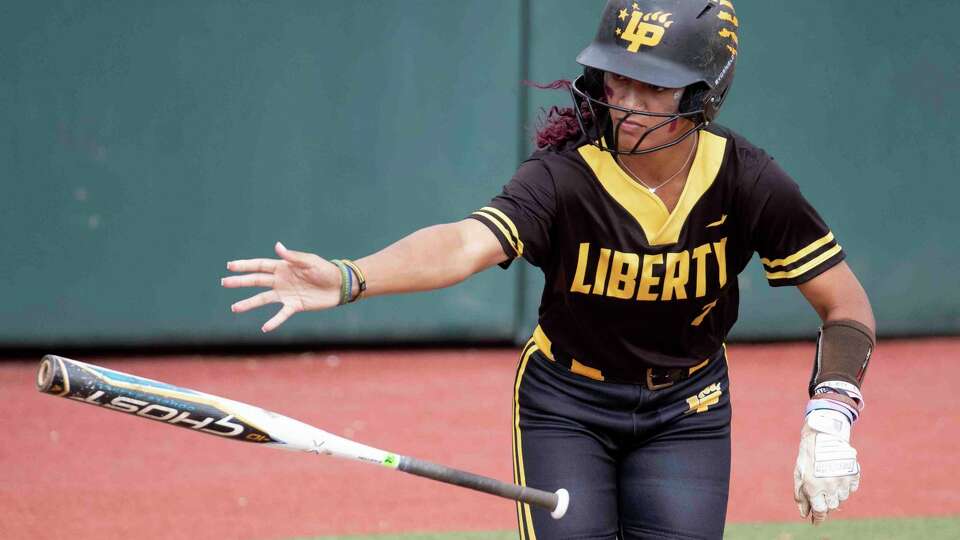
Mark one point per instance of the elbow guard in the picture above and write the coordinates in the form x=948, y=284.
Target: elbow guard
x=844, y=348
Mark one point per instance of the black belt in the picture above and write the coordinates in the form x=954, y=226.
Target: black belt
x=654, y=378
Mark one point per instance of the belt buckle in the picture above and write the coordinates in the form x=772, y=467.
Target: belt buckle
x=651, y=385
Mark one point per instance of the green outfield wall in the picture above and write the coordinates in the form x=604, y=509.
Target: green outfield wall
x=143, y=144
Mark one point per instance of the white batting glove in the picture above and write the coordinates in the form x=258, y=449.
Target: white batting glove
x=827, y=471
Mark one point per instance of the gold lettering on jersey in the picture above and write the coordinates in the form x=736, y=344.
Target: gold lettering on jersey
x=700, y=255
x=656, y=276
x=646, y=277
x=601, y=278
x=677, y=276
x=720, y=249
x=623, y=275
x=578, y=284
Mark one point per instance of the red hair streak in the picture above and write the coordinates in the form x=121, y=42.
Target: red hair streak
x=558, y=125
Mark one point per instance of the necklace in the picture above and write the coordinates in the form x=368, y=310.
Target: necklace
x=665, y=182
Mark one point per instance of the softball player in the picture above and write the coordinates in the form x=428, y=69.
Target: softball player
x=641, y=212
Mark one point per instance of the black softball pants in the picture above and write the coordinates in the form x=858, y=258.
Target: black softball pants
x=639, y=464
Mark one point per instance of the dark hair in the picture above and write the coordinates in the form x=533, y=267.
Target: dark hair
x=558, y=126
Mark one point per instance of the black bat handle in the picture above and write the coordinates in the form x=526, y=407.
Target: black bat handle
x=556, y=503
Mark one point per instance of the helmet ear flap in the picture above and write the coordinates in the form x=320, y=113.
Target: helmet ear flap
x=593, y=83
x=712, y=106
x=694, y=97
x=714, y=98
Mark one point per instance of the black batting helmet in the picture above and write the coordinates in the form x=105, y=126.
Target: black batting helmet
x=690, y=44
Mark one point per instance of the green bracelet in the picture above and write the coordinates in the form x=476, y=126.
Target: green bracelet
x=346, y=283
x=358, y=275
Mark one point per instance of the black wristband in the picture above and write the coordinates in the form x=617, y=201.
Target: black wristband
x=844, y=348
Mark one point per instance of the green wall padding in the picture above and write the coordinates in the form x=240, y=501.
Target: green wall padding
x=144, y=144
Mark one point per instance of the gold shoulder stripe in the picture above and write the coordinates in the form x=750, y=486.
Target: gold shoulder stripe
x=497, y=214
x=800, y=270
x=660, y=226
x=813, y=246
x=507, y=220
x=513, y=241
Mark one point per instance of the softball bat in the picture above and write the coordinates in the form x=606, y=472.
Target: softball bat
x=206, y=413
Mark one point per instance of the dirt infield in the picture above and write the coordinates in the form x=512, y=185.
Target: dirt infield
x=68, y=470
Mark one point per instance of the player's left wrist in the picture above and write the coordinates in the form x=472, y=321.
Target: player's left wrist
x=837, y=396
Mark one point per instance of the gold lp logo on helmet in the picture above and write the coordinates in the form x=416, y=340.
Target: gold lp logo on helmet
x=643, y=29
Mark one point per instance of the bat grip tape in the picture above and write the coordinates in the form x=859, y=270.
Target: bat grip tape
x=426, y=469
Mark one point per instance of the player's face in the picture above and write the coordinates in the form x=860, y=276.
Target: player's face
x=631, y=94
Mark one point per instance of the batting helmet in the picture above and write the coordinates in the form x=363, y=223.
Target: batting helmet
x=690, y=44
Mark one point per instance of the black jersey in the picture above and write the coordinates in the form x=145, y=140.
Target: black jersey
x=630, y=284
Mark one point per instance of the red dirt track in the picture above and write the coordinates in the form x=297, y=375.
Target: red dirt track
x=69, y=470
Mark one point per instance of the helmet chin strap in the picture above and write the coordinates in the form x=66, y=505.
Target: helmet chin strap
x=636, y=147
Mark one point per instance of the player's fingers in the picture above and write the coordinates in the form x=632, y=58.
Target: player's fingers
x=298, y=258
x=278, y=319
x=798, y=481
x=855, y=483
x=818, y=503
x=253, y=265
x=255, y=301
x=248, y=280
x=804, y=506
x=818, y=517
x=833, y=501
x=843, y=493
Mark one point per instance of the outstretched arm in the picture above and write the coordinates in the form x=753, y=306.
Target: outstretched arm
x=431, y=258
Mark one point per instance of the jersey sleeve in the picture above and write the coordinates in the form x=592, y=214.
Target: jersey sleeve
x=521, y=216
x=794, y=243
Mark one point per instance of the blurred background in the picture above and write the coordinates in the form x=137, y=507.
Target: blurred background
x=145, y=143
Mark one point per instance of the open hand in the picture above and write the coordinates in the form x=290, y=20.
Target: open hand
x=300, y=281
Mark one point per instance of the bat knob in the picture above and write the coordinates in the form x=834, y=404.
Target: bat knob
x=563, y=502
x=46, y=373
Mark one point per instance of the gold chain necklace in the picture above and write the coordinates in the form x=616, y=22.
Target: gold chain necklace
x=665, y=182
